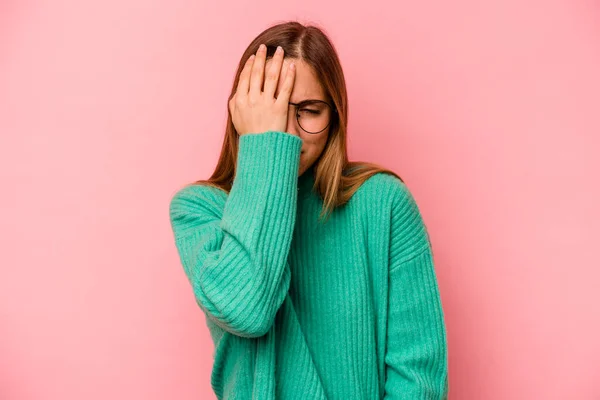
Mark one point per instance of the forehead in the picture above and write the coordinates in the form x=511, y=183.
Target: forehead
x=306, y=84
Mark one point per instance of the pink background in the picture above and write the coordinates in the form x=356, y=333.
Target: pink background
x=489, y=110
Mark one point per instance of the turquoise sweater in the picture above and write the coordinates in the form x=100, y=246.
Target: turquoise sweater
x=298, y=309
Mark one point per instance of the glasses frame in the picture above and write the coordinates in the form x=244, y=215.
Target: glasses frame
x=296, y=105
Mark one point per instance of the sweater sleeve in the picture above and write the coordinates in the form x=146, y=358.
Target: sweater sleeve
x=235, y=256
x=416, y=350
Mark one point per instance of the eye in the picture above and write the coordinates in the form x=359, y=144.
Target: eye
x=310, y=111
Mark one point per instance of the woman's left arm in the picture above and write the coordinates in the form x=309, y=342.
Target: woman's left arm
x=416, y=356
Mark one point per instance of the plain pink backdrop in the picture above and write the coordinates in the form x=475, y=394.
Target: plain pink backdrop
x=488, y=110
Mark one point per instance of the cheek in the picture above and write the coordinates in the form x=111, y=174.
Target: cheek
x=320, y=146
x=314, y=148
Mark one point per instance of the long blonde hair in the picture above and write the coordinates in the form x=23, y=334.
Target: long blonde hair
x=336, y=178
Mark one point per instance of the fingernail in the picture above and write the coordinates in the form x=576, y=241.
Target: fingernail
x=279, y=50
x=262, y=47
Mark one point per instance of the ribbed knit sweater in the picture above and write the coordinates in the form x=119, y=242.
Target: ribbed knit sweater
x=303, y=309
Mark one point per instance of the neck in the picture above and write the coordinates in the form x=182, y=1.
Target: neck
x=306, y=181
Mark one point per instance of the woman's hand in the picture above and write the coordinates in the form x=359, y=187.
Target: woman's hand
x=256, y=111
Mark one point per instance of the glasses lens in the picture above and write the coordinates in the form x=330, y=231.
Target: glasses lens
x=314, y=116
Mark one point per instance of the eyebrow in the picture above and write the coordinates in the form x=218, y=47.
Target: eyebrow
x=306, y=100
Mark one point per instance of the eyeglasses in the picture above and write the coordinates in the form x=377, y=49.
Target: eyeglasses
x=313, y=116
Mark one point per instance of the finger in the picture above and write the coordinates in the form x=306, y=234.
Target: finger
x=288, y=85
x=272, y=77
x=258, y=70
x=244, y=82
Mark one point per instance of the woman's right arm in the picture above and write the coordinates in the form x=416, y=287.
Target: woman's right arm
x=237, y=262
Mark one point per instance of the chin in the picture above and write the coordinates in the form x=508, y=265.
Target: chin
x=301, y=169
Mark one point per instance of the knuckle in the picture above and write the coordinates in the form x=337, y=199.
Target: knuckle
x=272, y=76
x=280, y=107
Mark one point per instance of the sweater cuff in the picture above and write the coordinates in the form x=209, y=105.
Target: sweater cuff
x=264, y=159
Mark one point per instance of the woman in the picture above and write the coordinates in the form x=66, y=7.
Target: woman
x=300, y=306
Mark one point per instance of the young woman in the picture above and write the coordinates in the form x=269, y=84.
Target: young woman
x=300, y=306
